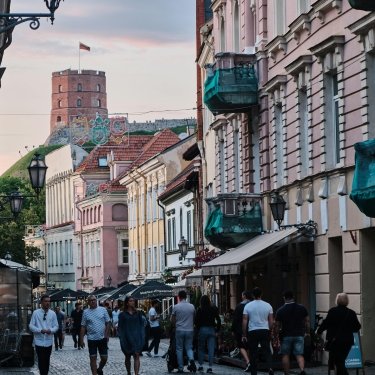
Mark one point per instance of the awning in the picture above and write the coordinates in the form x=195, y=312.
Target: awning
x=229, y=263
x=194, y=278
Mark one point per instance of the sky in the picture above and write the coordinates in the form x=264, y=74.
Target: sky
x=146, y=48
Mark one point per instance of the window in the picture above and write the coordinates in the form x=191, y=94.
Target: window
x=79, y=256
x=87, y=254
x=79, y=103
x=303, y=6
x=155, y=262
x=174, y=233
x=98, y=87
x=237, y=159
x=49, y=257
x=303, y=124
x=162, y=260
x=79, y=87
x=95, y=214
x=56, y=254
x=279, y=144
x=91, y=212
x=148, y=204
x=189, y=226
x=93, y=260
x=98, y=103
x=71, y=251
x=102, y=161
x=149, y=260
x=222, y=162
x=98, y=257
x=222, y=35
x=60, y=88
x=99, y=213
x=279, y=15
x=58, y=119
x=154, y=203
x=169, y=235
x=236, y=28
x=125, y=251
x=61, y=253
x=331, y=129
x=59, y=103
x=67, y=253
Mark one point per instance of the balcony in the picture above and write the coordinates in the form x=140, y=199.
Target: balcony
x=231, y=85
x=233, y=219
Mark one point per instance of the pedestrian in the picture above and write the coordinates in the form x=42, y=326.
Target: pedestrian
x=237, y=325
x=155, y=330
x=257, y=322
x=115, y=315
x=131, y=331
x=207, y=322
x=76, y=317
x=340, y=324
x=182, y=318
x=58, y=336
x=95, y=323
x=43, y=325
x=293, y=324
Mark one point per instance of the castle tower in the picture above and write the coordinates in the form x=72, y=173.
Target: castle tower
x=77, y=94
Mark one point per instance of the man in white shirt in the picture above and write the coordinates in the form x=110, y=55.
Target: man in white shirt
x=115, y=314
x=257, y=322
x=95, y=323
x=155, y=331
x=43, y=325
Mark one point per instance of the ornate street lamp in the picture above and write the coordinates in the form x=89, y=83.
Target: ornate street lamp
x=37, y=173
x=277, y=205
x=183, y=247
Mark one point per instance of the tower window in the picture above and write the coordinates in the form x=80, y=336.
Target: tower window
x=60, y=88
x=98, y=103
x=79, y=102
x=59, y=103
x=79, y=87
x=58, y=119
x=98, y=87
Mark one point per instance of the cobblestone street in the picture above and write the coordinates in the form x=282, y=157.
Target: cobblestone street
x=71, y=361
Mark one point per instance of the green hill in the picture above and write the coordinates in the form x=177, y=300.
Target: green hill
x=19, y=169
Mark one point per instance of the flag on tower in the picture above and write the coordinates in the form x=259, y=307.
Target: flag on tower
x=84, y=46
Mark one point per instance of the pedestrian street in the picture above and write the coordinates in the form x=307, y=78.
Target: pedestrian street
x=70, y=361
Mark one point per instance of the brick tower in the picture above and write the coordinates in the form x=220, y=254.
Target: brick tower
x=77, y=94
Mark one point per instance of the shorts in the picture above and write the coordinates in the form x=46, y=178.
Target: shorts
x=240, y=343
x=292, y=345
x=96, y=346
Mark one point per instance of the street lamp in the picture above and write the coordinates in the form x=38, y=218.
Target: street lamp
x=109, y=280
x=183, y=246
x=8, y=21
x=277, y=205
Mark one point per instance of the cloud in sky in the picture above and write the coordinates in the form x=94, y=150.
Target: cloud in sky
x=146, y=48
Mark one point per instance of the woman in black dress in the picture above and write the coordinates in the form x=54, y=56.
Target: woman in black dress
x=340, y=324
x=131, y=331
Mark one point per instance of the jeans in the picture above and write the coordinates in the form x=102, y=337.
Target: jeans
x=155, y=333
x=44, y=354
x=75, y=335
x=58, y=336
x=206, y=334
x=259, y=337
x=184, y=339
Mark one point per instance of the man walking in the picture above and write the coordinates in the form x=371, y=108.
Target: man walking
x=43, y=325
x=95, y=323
x=293, y=320
x=115, y=315
x=76, y=317
x=257, y=322
x=237, y=325
x=183, y=319
x=155, y=331
x=58, y=336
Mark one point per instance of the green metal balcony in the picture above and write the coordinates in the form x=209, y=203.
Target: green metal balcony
x=231, y=85
x=233, y=219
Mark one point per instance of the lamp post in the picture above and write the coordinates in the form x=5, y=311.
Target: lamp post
x=183, y=246
x=109, y=280
x=277, y=205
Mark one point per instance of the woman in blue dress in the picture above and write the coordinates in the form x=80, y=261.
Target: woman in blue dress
x=131, y=331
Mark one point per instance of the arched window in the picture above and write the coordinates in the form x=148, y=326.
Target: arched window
x=119, y=212
x=87, y=217
x=59, y=103
x=95, y=217
x=83, y=217
x=98, y=87
x=60, y=88
x=91, y=211
x=79, y=87
x=98, y=103
x=58, y=119
x=99, y=213
x=79, y=102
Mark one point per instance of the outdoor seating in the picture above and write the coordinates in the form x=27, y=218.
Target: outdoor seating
x=10, y=347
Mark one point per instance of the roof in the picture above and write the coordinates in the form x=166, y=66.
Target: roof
x=128, y=150
x=179, y=181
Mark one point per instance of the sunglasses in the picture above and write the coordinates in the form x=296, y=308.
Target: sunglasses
x=45, y=316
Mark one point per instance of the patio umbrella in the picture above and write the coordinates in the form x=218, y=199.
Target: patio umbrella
x=152, y=290
x=121, y=292
x=67, y=294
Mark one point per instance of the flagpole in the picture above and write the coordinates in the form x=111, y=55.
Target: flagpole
x=79, y=58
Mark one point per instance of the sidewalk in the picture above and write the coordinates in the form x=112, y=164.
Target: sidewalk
x=71, y=361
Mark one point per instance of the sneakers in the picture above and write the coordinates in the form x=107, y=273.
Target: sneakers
x=148, y=354
x=248, y=367
x=209, y=370
x=192, y=367
x=200, y=368
x=99, y=371
x=179, y=371
x=75, y=345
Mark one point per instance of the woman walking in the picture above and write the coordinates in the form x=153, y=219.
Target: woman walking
x=340, y=324
x=207, y=322
x=131, y=331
